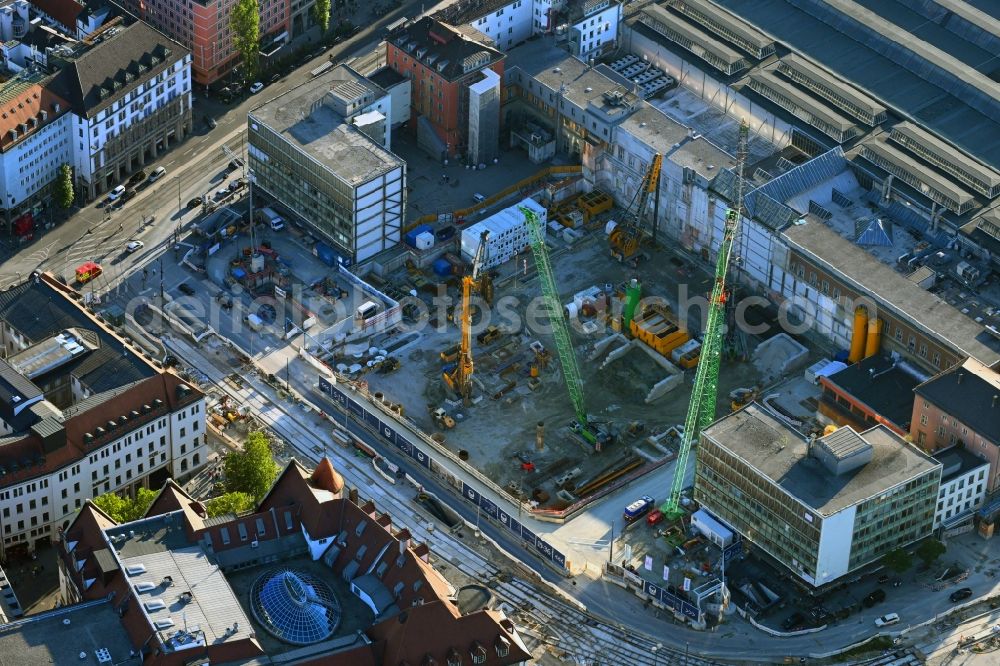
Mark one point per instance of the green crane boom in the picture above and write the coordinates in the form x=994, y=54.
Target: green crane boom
x=560, y=330
x=704, y=393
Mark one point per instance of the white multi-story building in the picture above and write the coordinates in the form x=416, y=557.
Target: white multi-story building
x=34, y=143
x=321, y=151
x=963, y=487
x=594, y=28
x=508, y=233
x=131, y=100
x=83, y=413
x=590, y=26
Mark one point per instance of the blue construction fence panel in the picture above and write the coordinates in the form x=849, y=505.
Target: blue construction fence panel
x=669, y=600
x=470, y=494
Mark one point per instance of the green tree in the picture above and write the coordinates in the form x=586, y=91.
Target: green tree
x=898, y=560
x=252, y=470
x=245, y=22
x=64, y=187
x=126, y=509
x=929, y=550
x=321, y=12
x=229, y=503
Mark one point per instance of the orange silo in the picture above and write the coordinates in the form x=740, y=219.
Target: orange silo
x=858, y=335
x=874, y=340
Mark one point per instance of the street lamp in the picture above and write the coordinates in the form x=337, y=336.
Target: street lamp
x=656, y=657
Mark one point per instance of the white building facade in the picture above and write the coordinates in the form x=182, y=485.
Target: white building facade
x=597, y=30
x=164, y=439
x=963, y=489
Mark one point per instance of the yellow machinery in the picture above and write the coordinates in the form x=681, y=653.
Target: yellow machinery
x=625, y=237
x=874, y=336
x=858, y=335
x=656, y=327
x=459, y=378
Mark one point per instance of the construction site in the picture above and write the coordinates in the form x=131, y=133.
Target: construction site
x=557, y=410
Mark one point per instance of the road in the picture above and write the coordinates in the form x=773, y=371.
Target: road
x=555, y=621
x=193, y=168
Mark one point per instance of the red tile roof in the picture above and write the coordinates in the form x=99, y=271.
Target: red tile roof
x=429, y=627
x=23, y=113
x=64, y=11
x=326, y=477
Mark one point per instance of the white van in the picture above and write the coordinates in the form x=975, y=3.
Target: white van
x=157, y=174
x=366, y=310
x=272, y=218
x=479, y=198
x=116, y=194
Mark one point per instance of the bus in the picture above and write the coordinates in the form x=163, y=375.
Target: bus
x=638, y=509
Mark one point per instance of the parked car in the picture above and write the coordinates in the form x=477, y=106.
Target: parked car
x=210, y=121
x=793, y=621
x=134, y=246
x=194, y=203
x=883, y=579
x=875, y=597
x=236, y=163
x=655, y=518
x=256, y=87
x=185, y=288
x=157, y=174
x=445, y=233
x=237, y=185
x=137, y=177
x=275, y=78
x=221, y=193
x=886, y=620
x=128, y=194
x=960, y=594
x=116, y=194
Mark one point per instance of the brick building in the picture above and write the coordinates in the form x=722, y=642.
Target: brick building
x=312, y=576
x=456, y=76
x=961, y=407
x=203, y=27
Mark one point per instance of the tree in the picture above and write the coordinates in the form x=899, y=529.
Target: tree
x=64, y=186
x=252, y=470
x=245, y=22
x=321, y=12
x=235, y=502
x=898, y=560
x=930, y=550
x=126, y=509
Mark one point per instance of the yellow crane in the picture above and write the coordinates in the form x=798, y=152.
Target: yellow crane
x=459, y=378
x=625, y=237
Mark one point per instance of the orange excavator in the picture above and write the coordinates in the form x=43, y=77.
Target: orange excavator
x=459, y=378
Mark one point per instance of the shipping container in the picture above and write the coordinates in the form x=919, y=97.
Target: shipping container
x=411, y=235
x=442, y=267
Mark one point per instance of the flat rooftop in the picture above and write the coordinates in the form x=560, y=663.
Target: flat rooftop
x=957, y=461
x=703, y=157
x=48, y=639
x=558, y=70
x=780, y=453
x=323, y=134
x=892, y=290
x=881, y=385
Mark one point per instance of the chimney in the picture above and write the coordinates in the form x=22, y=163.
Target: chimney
x=353, y=496
x=540, y=436
x=959, y=379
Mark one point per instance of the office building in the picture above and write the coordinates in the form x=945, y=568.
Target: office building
x=320, y=150
x=313, y=575
x=824, y=507
x=453, y=94
x=82, y=412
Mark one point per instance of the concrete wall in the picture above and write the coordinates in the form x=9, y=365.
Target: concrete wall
x=835, y=545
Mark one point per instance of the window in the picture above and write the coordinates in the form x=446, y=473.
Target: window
x=260, y=527
x=224, y=532
x=923, y=419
